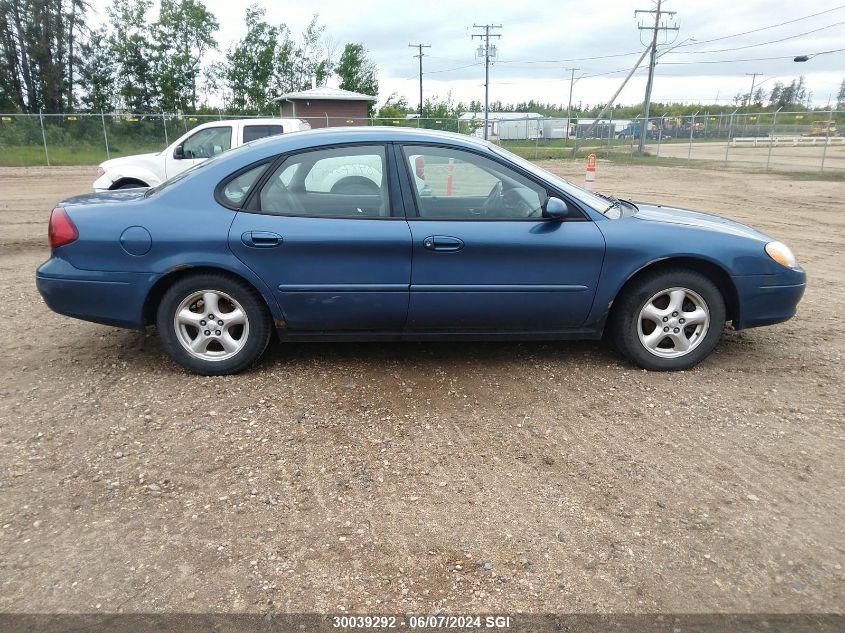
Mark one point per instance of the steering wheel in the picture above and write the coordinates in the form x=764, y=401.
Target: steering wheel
x=492, y=198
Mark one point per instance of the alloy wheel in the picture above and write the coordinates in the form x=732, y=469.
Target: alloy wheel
x=673, y=322
x=211, y=325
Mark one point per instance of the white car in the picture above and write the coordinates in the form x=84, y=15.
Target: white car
x=200, y=143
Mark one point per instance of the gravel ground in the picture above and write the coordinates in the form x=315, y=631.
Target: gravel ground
x=421, y=477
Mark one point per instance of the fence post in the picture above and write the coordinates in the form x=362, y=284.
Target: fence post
x=730, y=131
x=660, y=133
x=827, y=138
x=164, y=125
x=105, y=134
x=691, y=128
x=43, y=136
x=610, y=130
x=772, y=137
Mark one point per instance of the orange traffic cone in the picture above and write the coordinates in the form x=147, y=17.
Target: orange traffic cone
x=591, y=172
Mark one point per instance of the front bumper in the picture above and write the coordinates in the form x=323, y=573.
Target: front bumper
x=768, y=299
x=103, y=183
x=111, y=298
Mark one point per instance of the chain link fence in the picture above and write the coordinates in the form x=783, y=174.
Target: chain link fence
x=779, y=141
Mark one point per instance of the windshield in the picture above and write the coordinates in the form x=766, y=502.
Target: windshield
x=595, y=202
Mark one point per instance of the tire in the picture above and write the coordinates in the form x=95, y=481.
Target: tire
x=237, y=335
x=131, y=185
x=654, y=299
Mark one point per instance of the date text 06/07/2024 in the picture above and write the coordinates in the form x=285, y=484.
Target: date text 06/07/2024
x=364, y=622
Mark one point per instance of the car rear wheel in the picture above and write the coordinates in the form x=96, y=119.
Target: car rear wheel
x=669, y=320
x=213, y=324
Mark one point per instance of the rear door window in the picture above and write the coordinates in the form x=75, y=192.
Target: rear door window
x=254, y=132
x=339, y=182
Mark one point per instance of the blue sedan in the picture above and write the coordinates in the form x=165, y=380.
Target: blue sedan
x=397, y=234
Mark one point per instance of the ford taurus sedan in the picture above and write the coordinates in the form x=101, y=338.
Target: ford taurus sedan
x=396, y=234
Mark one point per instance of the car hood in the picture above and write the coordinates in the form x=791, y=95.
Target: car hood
x=684, y=217
x=116, y=163
x=104, y=197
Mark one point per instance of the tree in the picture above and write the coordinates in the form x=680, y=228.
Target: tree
x=184, y=33
x=358, y=72
x=254, y=62
x=395, y=107
x=131, y=49
x=311, y=59
x=97, y=73
x=38, y=56
x=794, y=94
x=840, y=97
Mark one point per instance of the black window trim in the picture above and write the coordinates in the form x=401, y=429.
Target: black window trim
x=549, y=188
x=252, y=203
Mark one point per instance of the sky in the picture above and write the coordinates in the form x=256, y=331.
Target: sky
x=541, y=39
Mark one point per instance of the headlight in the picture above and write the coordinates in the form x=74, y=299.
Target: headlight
x=100, y=172
x=780, y=252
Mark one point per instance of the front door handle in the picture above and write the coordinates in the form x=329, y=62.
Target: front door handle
x=443, y=243
x=261, y=239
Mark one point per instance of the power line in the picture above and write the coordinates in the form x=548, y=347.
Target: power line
x=739, y=48
x=697, y=43
x=570, y=59
x=766, y=28
x=420, y=48
x=488, y=53
x=752, y=59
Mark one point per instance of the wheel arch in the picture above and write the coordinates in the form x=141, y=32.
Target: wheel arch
x=127, y=181
x=712, y=271
x=161, y=285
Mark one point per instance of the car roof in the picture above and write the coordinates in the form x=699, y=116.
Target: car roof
x=375, y=134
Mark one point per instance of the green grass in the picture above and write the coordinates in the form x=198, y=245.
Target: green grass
x=555, y=149
x=33, y=155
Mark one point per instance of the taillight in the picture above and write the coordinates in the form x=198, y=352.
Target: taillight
x=61, y=230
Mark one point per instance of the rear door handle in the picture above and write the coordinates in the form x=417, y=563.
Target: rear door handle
x=443, y=243
x=261, y=239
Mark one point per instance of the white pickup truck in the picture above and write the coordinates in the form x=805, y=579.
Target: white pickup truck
x=200, y=143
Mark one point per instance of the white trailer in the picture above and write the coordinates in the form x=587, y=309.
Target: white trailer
x=518, y=129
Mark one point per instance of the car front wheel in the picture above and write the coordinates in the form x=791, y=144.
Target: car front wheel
x=669, y=320
x=213, y=324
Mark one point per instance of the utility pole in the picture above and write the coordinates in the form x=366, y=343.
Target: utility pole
x=655, y=29
x=569, y=107
x=420, y=55
x=753, y=80
x=609, y=103
x=488, y=53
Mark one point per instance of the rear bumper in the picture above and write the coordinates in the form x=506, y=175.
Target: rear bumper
x=111, y=298
x=768, y=299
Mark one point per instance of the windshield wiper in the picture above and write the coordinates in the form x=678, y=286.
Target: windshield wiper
x=614, y=201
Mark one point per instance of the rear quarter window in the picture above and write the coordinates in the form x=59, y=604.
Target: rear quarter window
x=254, y=132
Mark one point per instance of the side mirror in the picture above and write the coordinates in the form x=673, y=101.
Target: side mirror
x=179, y=152
x=555, y=208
